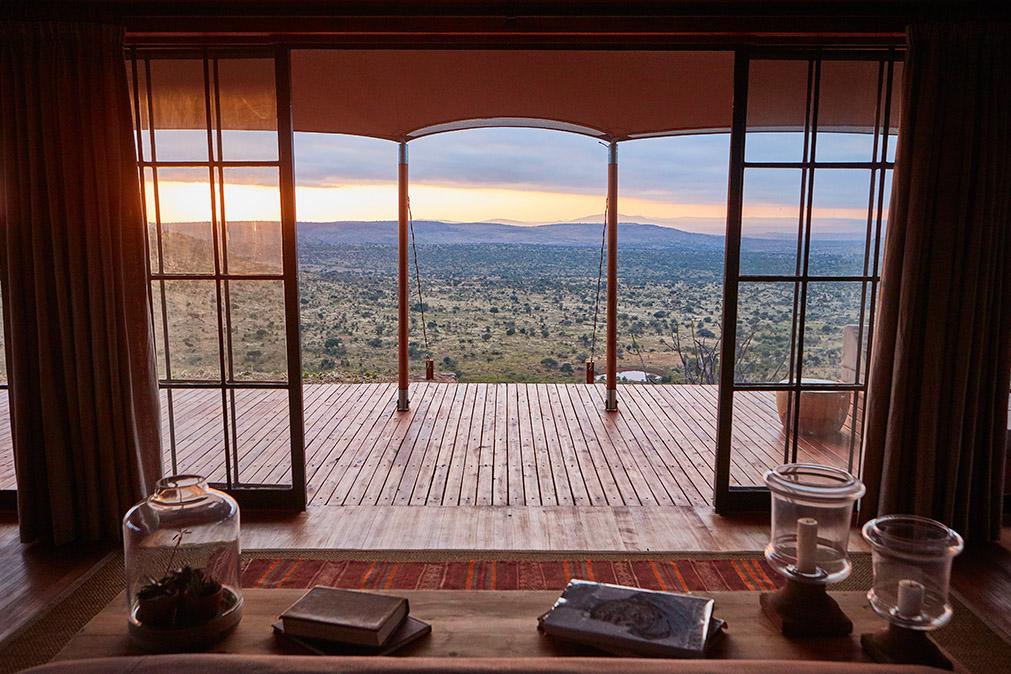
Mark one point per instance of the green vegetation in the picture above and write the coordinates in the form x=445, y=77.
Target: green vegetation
x=502, y=312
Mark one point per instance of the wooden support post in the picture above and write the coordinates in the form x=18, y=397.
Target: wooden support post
x=612, y=278
x=403, y=399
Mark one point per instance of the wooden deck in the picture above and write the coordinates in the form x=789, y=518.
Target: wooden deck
x=488, y=444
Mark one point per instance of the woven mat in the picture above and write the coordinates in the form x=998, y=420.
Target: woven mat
x=968, y=638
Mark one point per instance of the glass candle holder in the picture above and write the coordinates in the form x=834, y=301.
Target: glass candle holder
x=812, y=510
x=912, y=559
x=912, y=568
x=812, y=507
x=181, y=555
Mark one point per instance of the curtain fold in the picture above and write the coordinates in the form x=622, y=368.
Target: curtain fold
x=938, y=389
x=83, y=384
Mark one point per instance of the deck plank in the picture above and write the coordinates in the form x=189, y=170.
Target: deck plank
x=416, y=493
x=698, y=475
x=406, y=462
x=516, y=487
x=582, y=474
x=500, y=466
x=356, y=444
x=547, y=435
x=515, y=445
x=478, y=467
x=443, y=462
x=377, y=450
x=648, y=488
x=451, y=476
x=355, y=423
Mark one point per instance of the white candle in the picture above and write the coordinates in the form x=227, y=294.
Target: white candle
x=807, y=545
x=910, y=598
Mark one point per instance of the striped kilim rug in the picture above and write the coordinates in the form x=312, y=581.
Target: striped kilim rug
x=662, y=573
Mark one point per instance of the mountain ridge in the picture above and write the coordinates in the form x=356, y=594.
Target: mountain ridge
x=436, y=232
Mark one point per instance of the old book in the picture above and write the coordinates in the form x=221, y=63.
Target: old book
x=628, y=620
x=360, y=618
x=717, y=627
x=410, y=631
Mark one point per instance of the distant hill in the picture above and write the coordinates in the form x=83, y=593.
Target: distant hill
x=432, y=232
x=560, y=234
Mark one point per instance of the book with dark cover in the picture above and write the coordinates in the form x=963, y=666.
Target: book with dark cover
x=410, y=631
x=360, y=618
x=627, y=620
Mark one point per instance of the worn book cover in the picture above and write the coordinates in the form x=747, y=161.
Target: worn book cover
x=409, y=631
x=361, y=618
x=634, y=621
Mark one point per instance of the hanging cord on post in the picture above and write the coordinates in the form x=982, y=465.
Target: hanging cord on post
x=600, y=275
x=638, y=351
x=591, y=364
x=429, y=364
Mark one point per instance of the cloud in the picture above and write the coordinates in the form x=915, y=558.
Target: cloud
x=682, y=169
x=657, y=176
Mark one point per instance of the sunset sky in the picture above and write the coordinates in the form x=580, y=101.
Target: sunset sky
x=527, y=175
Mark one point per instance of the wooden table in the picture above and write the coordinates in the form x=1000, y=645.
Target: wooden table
x=493, y=623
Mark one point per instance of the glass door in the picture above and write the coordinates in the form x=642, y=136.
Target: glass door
x=812, y=151
x=213, y=132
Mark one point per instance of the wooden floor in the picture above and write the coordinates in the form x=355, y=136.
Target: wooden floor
x=514, y=528
x=34, y=576
x=486, y=444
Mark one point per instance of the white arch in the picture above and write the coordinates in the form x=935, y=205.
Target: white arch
x=507, y=122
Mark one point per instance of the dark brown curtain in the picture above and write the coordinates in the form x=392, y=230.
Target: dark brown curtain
x=84, y=399
x=937, y=403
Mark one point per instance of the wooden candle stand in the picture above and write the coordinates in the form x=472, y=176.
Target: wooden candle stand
x=805, y=610
x=901, y=645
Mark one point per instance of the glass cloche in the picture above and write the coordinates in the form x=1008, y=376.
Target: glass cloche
x=181, y=553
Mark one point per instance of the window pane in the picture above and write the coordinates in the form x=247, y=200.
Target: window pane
x=258, y=337
x=839, y=222
x=896, y=111
x=764, y=327
x=758, y=436
x=770, y=221
x=831, y=332
x=152, y=219
x=138, y=106
x=847, y=106
x=777, y=97
x=159, y=328
x=828, y=433
x=185, y=205
x=262, y=437
x=193, y=329
x=180, y=113
x=198, y=425
x=252, y=211
x=248, y=109
x=885, y=210
x=844, y=146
